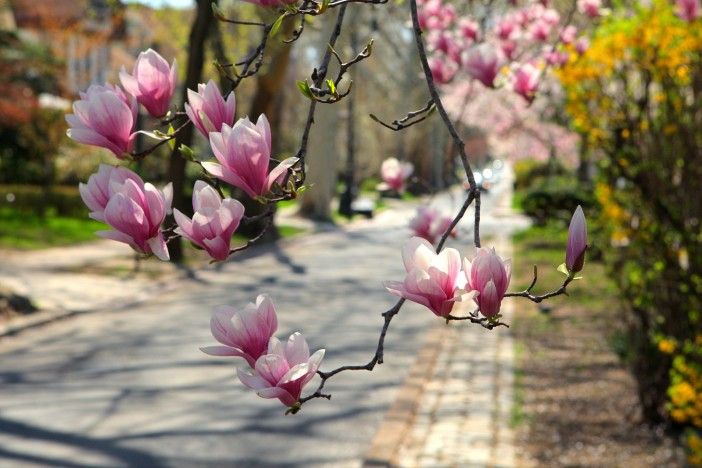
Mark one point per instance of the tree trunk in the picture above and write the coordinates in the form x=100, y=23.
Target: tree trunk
x=176, y=171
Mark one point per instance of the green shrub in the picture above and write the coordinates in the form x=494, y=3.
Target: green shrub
x=554, y=198
x=528, y=172
x=61, y=200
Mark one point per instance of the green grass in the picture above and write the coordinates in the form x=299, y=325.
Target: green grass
x=20, y=230
x=290, y=231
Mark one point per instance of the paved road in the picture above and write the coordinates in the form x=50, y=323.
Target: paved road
x=130, y=387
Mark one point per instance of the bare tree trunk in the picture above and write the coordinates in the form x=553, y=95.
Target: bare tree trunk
x=176, y=171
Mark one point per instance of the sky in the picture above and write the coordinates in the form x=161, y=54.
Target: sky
x=159, y=3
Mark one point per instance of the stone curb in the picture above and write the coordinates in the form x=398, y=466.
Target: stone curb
x=399, y=419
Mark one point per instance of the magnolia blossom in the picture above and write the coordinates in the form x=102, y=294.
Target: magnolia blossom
x=284, y=371
x=577, y=241
x=489, y=275
x=556, y=57
x=134, y=210
x=213, y=222
x=441, y=71
x=526, y=80
x=581, y=45
x=430, y=224
x=207, y=108
x=104, y=117
x=244, y=152
x=508, y=48
x=568, y=33
x=433, y=280
x=506, y=28
x=469, y=28
x=590, y=8
x=243, y=333
x=394, y=173
x=107, y=181
x=483, y=63
x=688, y=10
x=152, y=82
x=540, y=30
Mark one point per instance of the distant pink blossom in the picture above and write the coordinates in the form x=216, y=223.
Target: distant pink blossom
x=102, y=185
x=567, y=35
x=104, y=117
x=136, y=210
x=430, y=224
x=469, y=28
x=244, y=153
x=152, y=82
x=489, y=275
x=556, y=58
x=433, y=280
x=551, y=16
x=581, y=45
x=506, y=28
x=508, y=48
x=208, y=110
x=590, y=8
x=283, y=372
x=526, y=81
x=394, y=173
x=244, y=333
x=483, y=63
x=441, y=71
x=688, y=10
x=213, y=222
x=540, y=31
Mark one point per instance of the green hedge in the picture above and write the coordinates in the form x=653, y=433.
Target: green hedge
x=61, y=200
x=554, y=198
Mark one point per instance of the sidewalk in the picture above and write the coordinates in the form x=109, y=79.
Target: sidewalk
x=454, y=409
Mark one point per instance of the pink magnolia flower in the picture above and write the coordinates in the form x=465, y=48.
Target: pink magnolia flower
x=213, y=222
x=104, y=117
x=506, y=28
x=469, y=28
x=444, y=42
x=508, y=48
x=244, y=333
x=551, y=16
x=430, y=224
x=441, y=71
x=526, y=80
x=577, y=241
x=568, y=33
x=581, y=45
x=102, y=185
x=556, y=57
x=284, y=371
x=540, y=30
x=152, y=82
x=135, y=211
x=433, y=280
x=483, y=63
x=244, y=153
x=688, y=10
x=489, y=275
x=590, y=8
x=394, y=173
x=207, y=108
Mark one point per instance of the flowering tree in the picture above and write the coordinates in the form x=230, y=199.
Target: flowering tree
x=436, y=277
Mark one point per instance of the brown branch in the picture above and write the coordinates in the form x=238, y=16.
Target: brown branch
x=407, y=121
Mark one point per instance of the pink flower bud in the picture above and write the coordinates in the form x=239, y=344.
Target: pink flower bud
x=429, y=224
x=433, y=280
x=152, y=82
x=213, y=222
x=394, y=173
x=489, y=275
x=104, y=117
x=590, y=8
x=284, y=371
x=208, y=110
x=135, y=211
x=244, y=152
x=483, y=63
x=688, y=10
x=243, y=333
x=526, y=80
x=577, y=242
x=102, y=185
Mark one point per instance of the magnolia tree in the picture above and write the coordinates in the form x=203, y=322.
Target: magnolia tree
x=436, y=277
